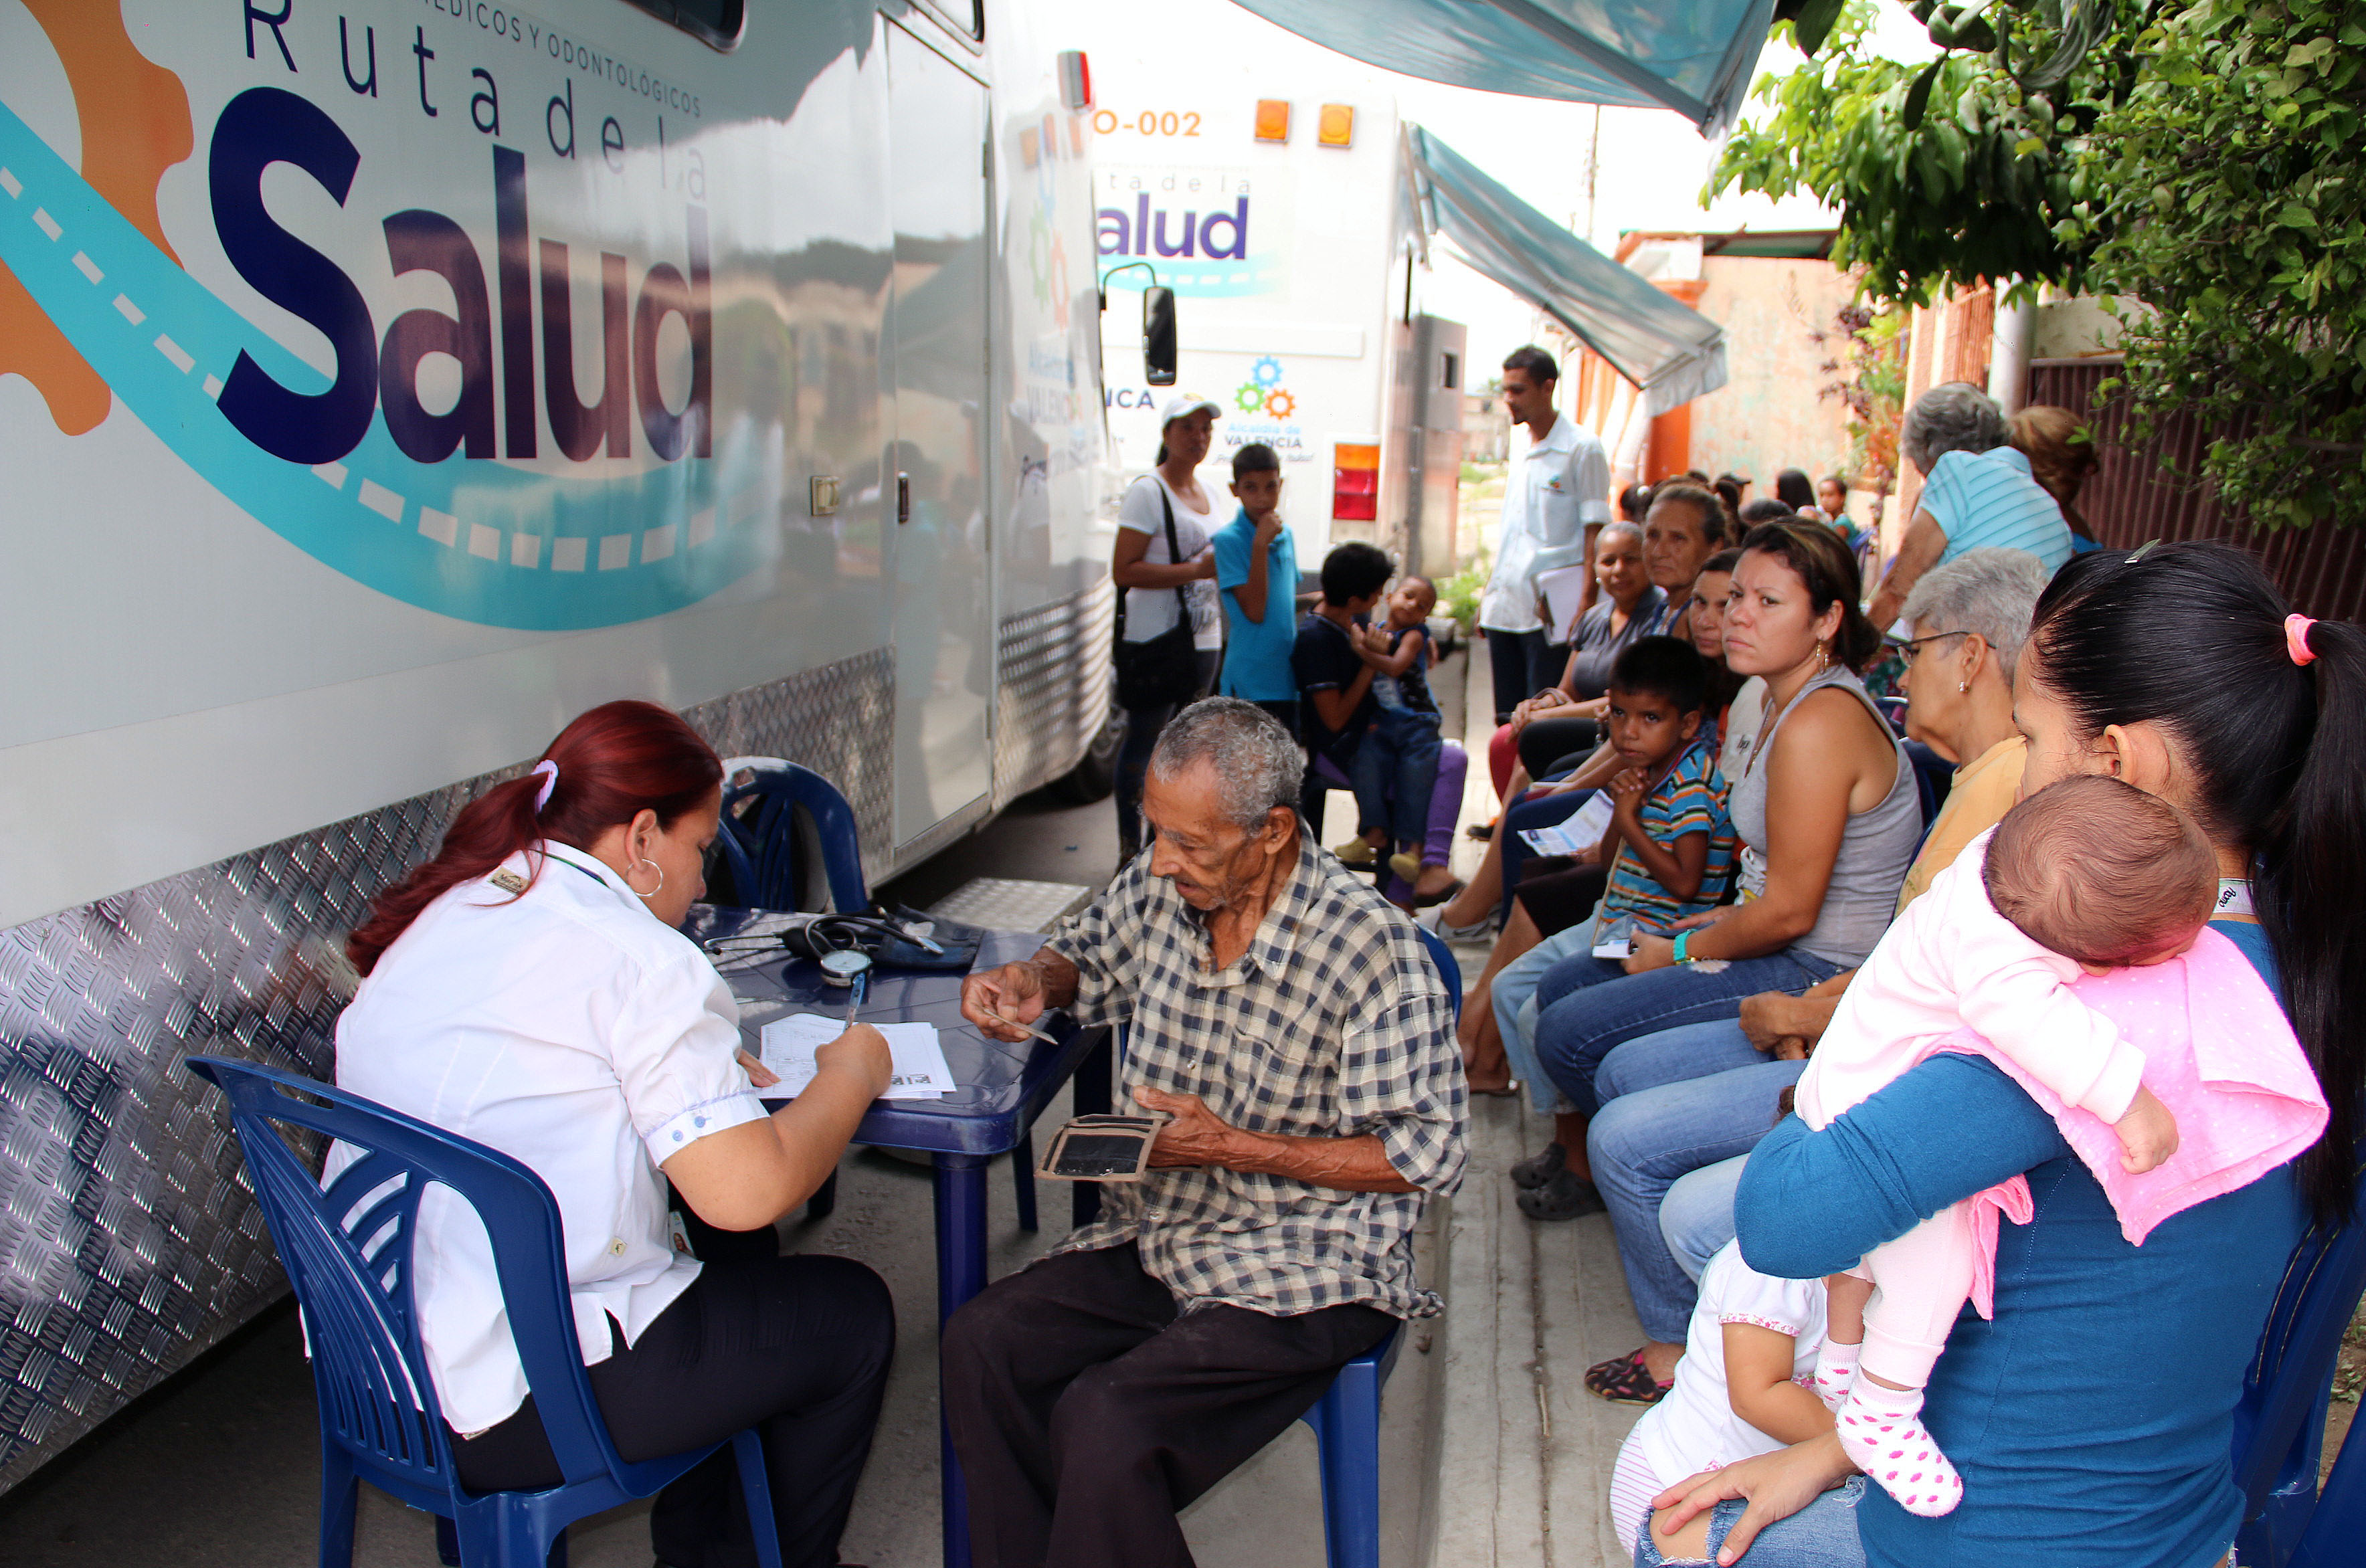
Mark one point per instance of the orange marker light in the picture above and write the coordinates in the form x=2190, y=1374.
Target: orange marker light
x=1336, y=128
x=1273, y=119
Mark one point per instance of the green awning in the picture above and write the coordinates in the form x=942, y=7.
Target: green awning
x=1671, y=350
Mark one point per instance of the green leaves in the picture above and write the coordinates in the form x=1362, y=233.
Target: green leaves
x=1918, y=97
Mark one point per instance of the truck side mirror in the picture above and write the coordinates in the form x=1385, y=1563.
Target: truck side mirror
x=1158, y=335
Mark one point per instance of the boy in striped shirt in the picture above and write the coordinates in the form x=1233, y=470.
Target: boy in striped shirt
x=1669, y=844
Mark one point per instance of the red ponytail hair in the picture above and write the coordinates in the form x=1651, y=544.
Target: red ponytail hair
x=618, y=760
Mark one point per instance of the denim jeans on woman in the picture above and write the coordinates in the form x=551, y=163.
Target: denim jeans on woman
x=1586, y=1006
x=1513, y=992
x=1673, y=1102
x=1822, y=1535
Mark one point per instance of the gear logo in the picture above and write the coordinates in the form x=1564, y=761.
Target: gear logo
x=1280, y=404
x=1268, y=372
x=135, y=125
x=1250, y=398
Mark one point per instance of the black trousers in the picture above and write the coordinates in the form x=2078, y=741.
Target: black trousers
x=1550, y=741
x=797, y=1346
x=1086, y=1411
x=1520, y=665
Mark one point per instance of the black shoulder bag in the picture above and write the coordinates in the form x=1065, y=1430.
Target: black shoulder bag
x=1165, y=670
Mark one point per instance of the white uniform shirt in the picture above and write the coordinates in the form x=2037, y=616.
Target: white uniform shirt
x=1562, y=487
x=570, y=1030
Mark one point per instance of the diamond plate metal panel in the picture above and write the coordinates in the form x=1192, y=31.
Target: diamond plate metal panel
x=129, y=1237
x=1053, y=689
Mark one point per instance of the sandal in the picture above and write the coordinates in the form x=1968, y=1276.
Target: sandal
x=1482, y=832
x=1567, y=1196
x=1540, y=1167
x=1625, y=1380
x=1443, y=895
x=1510, y=1090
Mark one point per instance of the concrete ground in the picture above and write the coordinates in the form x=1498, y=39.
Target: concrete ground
x=1492, y=1450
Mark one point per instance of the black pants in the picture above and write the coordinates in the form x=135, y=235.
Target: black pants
x=798, y=1347
x=1521, y=666
x=1142, y=727
x=1547, y=742
x=1086, y=1411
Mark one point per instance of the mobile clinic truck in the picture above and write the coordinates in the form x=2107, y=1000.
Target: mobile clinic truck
x=1267, y=189
x=383, y=382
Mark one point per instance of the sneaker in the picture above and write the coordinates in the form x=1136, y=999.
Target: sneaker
x=1407, y=866
x=1433, y=919
x=1356, y=852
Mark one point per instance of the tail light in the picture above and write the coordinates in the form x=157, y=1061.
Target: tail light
x=1356, y=482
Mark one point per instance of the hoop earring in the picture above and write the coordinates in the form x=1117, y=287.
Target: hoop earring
x=645, y=897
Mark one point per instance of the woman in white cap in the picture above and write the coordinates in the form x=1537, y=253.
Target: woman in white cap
x=1166, y=565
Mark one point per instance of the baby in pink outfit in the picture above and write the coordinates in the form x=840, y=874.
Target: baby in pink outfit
x=2087, y=877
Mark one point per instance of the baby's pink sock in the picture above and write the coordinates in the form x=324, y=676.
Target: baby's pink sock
x=1835, y=1371
x=1881, y=1429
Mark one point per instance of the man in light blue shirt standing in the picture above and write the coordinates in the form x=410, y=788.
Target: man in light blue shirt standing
x=1256, y=579
x=1976, y=491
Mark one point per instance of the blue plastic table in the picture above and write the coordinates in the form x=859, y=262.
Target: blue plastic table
x=1004, y=1087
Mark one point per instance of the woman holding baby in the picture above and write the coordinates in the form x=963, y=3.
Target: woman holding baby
x=2090, y=1419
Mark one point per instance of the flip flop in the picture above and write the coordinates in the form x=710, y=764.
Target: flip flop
x=1625, y=1380
x=1510, y=1089
x=1482, y=832
x=1443, y=895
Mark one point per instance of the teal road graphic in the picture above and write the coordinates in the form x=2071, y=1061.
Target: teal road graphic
x=478, y=540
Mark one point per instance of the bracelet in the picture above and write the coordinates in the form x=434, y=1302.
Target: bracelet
x=1684, y=945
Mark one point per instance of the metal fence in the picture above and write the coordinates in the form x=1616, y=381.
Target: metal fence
x=2142, y=492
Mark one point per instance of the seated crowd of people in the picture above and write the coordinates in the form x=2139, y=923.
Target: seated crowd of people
x=1958, y=1067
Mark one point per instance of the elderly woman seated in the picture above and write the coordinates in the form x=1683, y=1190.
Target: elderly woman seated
x=1978, y=490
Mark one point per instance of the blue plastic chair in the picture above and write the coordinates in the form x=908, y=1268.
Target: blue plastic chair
x=2279, y=1421
x=766, y=875
x=1347, y=1419
x=347, y=1250
x=767, y=879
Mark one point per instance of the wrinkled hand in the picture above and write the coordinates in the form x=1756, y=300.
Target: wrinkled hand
x=2147, y=1133
x=997, y=1000
x=760, y=1075
x=1768, y=1019
x=1646, y=953
x=861, y=1052
x=1196, y=1137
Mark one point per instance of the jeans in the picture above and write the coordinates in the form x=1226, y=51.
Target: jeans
x=1513, y=993
x=1575, y=1031
x=1517, y=661
x=1673, y=1102
x=1696, y=1216
x=1142, y=727
x=1395, y=771
x=1822, y=1535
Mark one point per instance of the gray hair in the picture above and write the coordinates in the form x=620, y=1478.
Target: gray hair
x=1989, y=590
x=1256, y=763
x=1953, y=417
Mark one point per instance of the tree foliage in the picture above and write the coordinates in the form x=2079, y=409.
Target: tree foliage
x=1955, y=173
x=2235, y=215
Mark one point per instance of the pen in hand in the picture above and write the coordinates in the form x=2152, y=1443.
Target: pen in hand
x=1030, y=1028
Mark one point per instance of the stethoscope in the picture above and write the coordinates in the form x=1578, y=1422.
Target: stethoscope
x=849, y=967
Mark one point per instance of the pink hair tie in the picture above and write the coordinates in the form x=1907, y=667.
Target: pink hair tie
x=2296, y=639
x=547, y=771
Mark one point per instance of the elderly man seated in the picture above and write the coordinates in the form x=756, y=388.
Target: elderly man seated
x=1291, y=1024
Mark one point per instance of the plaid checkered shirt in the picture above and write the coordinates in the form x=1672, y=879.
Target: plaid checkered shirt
x=1335, y=1023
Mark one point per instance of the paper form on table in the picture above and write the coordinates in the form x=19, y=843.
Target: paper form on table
x=919, y=1072
x=1577, y=835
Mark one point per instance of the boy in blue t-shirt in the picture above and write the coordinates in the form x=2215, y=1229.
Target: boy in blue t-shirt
x=1256, y=581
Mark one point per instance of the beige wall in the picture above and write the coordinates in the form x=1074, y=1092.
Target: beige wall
x=1768, y=415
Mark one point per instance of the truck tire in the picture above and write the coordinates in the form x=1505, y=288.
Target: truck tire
x=1096, y=777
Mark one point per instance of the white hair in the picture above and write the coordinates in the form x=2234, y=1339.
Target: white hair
x=1955, y=416
x=1991, y=591
x=1256, y=763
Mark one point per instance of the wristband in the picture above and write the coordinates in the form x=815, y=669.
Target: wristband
x=1684, y=944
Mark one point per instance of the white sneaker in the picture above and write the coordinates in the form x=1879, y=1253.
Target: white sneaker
x=1433, y=919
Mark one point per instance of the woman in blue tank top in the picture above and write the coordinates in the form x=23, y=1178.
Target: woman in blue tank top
x=2094, y=1414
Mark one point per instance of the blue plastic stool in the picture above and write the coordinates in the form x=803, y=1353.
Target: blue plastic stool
x=1347, y=1419
x=348, y=1252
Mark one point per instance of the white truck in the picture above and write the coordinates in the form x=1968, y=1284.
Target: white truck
x=383, y=382
x=1268, y=193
